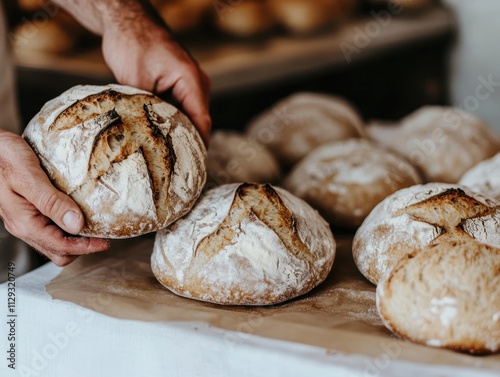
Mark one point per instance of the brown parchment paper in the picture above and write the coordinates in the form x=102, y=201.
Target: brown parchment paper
x=339, y=315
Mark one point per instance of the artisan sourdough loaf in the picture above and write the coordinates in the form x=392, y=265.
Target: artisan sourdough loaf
x=445, y=295
x=302, y=122
x=245, y=244
x=345, y=180
x=444, y=142
x=484, y=178
x=132, y=162
x=234, y=158
x=417, y=216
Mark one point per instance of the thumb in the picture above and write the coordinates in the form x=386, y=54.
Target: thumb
x=54, y=204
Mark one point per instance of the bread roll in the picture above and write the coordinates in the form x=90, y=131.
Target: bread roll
x=484, y=178
x=444, y=142
x=182, y=17
x=415, y=217
x=304, y=16
x=244, y=19
x=234, y=158
x=445, y=295
x=345, y=180
x=302, y=122
x=247, y=244
x=31, y=5
x=133, y=163
x=49, y=36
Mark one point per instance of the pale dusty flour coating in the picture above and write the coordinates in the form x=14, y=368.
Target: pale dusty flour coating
x=345, y=180
x=255, y=267
x=389, y=232
x=125, y=191
x=484, y=178
x=444, y=142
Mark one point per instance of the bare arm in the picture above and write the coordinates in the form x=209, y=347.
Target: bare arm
x=141, y=52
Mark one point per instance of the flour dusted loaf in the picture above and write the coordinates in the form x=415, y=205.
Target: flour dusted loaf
x=302, y=122
x=244, y=18
x=445, y=142
x=345, y=180
x=234, y=158
x=245, y=244
x=417, y=216
x=484, y=178
x=445, y=295
x=133, y=163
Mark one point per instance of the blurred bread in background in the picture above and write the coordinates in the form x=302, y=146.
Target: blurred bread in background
x=245, y=19
x=345, y=180
x=298, y=124
x=234, y=158
x=444, y=142
x=484, y=178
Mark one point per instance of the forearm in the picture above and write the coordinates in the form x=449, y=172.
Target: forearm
x=99, y=15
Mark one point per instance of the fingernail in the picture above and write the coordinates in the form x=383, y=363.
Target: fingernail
x=71, y=221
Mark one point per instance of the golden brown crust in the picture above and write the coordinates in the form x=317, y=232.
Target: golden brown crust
x=445, y=295
x=112, y=151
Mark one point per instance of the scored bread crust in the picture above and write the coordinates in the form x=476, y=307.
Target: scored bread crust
x=415, y=217
x=445, y=295
x=247, y=244
x=484, y=178
x=133, y=163
x=345, y=180
x=296, y=125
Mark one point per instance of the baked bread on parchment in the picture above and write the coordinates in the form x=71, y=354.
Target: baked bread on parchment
x=245, y=244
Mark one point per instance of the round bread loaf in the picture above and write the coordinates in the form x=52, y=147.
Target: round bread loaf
x=244, y=18
x=247, y=244
x=302, y=122
x=133, y=163
x=50, y=36
x=484, y=178
x=304, y=16
x=31, y=5
x=234, y=158
x=415, y=217
x=445, y=295
x=182, y=17
x=345, y=180
x=444, y=142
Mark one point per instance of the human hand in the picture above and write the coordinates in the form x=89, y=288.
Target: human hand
x=34, y=210
x=142, y=53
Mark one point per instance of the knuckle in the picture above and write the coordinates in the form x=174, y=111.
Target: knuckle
x=49, y=202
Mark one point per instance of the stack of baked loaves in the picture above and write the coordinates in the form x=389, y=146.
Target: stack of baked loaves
x=135, y=164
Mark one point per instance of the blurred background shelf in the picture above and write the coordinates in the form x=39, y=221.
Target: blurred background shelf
x=406, y=57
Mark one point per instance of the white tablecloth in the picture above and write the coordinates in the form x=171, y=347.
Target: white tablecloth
x=58, y=338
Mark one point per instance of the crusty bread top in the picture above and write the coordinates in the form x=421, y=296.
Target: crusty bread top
x=445, y=295
x=299, y=123
x=234, y=158
x=484, y=178
x=245, y=244
x=132, y=162
x=444, y=142
x=418, y=215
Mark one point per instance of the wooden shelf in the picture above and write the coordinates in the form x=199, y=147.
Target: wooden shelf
x=234, y=65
